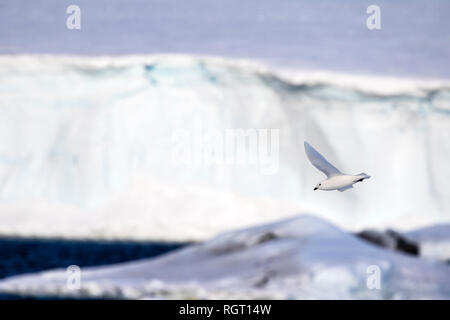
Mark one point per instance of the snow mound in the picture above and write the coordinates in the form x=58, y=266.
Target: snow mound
x=303, y=257
x=434, y=241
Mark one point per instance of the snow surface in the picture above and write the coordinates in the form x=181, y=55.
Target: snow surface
x=434, y=241
x=302, y=257
x=86, y=146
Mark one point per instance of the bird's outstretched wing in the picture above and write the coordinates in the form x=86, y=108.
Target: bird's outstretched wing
x=320, y=162
x=345, y=188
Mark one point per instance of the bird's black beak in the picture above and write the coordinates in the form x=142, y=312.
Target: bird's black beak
x=315, y=188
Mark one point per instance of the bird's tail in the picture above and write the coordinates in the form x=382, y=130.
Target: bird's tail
x=366, y=176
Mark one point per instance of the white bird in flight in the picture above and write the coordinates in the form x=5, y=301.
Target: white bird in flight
x=336, y=180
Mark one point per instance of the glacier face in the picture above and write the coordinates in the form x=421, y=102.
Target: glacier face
x=90, y=142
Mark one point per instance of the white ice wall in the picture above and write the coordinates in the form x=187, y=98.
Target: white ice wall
x=89, y=142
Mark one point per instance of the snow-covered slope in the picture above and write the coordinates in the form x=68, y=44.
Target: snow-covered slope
x=302, y=257
x=434, y=241
x=87, y=146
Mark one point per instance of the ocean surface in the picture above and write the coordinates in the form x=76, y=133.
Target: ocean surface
x=28, y=255
x=25, y=255
x=414, y=39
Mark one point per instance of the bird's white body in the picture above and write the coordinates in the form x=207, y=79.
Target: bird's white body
x=336, y=179
x=341, y=182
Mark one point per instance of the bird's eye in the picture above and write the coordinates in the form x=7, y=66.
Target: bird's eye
x=320, y=184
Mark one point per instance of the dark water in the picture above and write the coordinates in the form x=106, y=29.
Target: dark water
x=25, y=255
